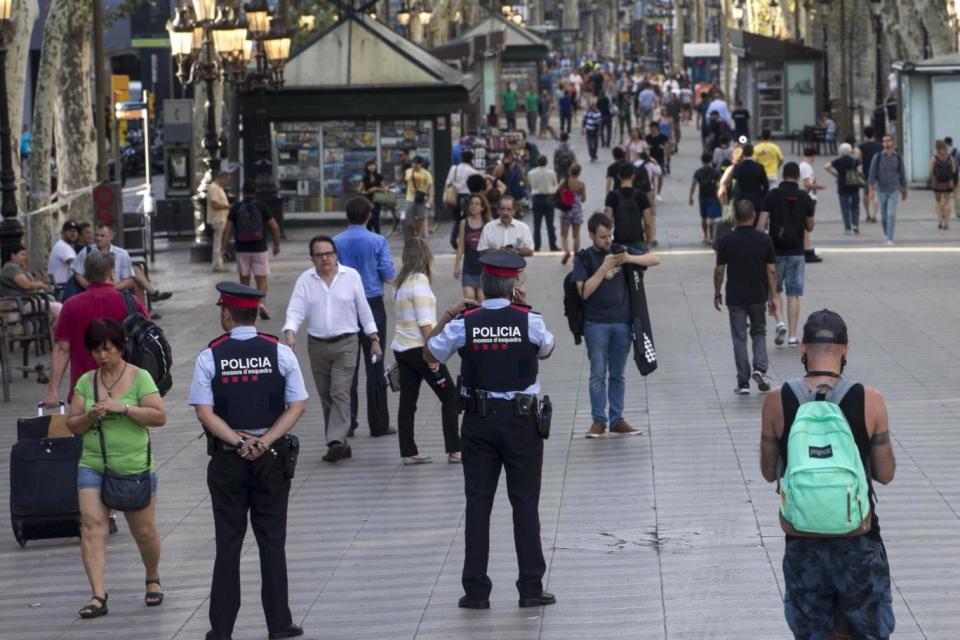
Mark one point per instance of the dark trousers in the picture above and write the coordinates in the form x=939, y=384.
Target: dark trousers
x=373, y=224
x=502, y=439
x=755, y=315
x=378, y=416
x=606, y=130
x=566, y=122
x=593, y=138
x=543, y=209
x=532, y=123
x=413, y=371
x=260, y=487
x=511, y=120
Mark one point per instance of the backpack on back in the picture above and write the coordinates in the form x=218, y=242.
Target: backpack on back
x=943, y=170
x=707, y=180
x=627, y=219
x=824, y=489
x=787, y=226
x=562, y=160
x=566, y=197
x=146, y=346
x=641, y=179
x=249, y=221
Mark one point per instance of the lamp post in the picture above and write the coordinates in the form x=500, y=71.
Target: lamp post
x=876, y=9
x=209, y=43
x=10, y=229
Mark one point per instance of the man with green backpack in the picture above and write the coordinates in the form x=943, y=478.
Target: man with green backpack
x=824, y=439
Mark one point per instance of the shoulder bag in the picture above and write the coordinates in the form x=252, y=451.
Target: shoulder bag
x=123, y=493
x=451, y=197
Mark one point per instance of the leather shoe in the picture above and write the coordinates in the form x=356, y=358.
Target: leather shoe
x=213, y=636
x=466, y=602
x=292, y=632
x=337, y=451
x=389, y=431
x=538, y=601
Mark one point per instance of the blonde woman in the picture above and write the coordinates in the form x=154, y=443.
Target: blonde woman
x=415, y=316
x=726, y=181
x=467, y=265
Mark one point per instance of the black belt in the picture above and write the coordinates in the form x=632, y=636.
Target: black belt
x=342, y=336
x=478, y=402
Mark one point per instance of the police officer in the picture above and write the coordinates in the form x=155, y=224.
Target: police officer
x=500, y=343
x=248, y=393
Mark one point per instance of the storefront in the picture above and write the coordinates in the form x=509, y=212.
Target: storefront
x=778, y=81
x=384, y=95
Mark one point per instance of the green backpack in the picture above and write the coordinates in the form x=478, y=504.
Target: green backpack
x=824, y=490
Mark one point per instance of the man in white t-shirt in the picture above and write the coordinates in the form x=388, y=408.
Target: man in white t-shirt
x=808, y=182
x=63, y=254
x=505, y=233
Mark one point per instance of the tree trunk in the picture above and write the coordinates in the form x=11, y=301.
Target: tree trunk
x=902, y=25
x=18, y=54
x=933, y=15
x=571, y=14
x=676, y=42
x=46, y=103
x=77, y=139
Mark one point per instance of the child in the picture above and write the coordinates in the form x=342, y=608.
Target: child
x=707, y=178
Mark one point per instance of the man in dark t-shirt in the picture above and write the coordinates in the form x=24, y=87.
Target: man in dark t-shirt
x=629, y=232
x=869, y=148
x=656, y=142
x=747, y=256
x=751, y=179
x=741, y=121
x=252, y=256
x=789, y=210
x=613, y=171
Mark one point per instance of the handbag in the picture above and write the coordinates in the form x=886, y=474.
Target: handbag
x=419, y=197
x=392, y=376
x=122, y=493
x=853, y=178
x=451, y=197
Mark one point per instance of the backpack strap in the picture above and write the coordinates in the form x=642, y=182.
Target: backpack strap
x=130, y=302
x=803, y=395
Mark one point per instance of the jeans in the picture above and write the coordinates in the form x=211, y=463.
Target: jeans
x=566, y=122
x=511, y=120
x=378, y=416
x=531, y=123
x=756, y=315
x=608, y=346
x=413, y=371
x=850, y=209
x=888, y=212
x=606, y=130
x=593, y=138
x=543, y=208
x=790, y=270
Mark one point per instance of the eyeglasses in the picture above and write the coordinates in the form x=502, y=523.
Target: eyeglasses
x=324, y=255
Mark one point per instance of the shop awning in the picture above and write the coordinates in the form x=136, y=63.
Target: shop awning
x=945, y=64
x=752, y=46
x=520, y=45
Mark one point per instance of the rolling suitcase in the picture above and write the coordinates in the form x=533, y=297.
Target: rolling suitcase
x=43, y=486
x=53, y=426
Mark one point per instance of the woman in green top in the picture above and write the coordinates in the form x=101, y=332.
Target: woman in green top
x=127, y=404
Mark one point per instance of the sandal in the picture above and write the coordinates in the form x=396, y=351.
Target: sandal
x=153, y=598
x=92, y=610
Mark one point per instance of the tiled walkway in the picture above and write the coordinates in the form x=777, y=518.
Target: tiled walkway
x=669, y=535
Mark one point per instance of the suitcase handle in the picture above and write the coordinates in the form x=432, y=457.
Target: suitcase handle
x=40, y=406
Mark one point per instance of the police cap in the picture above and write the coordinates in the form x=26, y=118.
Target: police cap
x=233, y=294
x=503, y=264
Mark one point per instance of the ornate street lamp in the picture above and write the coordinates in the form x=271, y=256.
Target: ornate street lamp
x=10, y=229
x=210, y=44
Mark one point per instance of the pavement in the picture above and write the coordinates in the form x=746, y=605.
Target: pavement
x=669, y=535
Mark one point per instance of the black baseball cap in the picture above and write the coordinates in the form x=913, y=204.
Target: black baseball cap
x=70, y=224
x=825, y=327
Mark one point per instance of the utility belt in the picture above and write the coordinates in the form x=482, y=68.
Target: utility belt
x=478, y=402
x=285, y=451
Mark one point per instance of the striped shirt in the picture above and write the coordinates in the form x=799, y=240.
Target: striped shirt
x=591, y=120
x=415, y=306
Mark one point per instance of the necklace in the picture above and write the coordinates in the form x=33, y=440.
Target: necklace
x=109, y=387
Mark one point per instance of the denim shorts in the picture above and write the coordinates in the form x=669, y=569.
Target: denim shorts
x=790, y=273
x=91, y=479
x=710, y=210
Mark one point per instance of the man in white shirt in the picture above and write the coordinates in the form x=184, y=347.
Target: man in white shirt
x=62, y=255
x=543, y=187
x=127, y=276
x=505, y=233
x=457, y=177
x=808, y=182
x=331, y=299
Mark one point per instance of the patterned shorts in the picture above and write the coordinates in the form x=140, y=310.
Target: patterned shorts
x=847, y=575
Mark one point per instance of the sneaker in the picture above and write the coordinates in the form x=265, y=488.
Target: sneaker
x=889, y=242
x=793, y=342
x=659, y=198
x=596, y=430
x=781, y=333
x=623, y=428
x=742, y=390
x=763, y=382
x=848, y=232
x=856, y=229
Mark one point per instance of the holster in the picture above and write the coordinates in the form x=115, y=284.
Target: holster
x=544, y=417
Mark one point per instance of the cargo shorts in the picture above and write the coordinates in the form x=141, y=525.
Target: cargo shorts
x=849, y=575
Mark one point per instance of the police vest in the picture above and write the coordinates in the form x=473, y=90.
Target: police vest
x=498, y=354
x=248, y=389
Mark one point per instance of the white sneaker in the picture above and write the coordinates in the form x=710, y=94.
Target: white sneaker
x=793, y=342
x=763, y=382
x=742, y=391
x=659, y=198
x=781, y=333
x=889, y=242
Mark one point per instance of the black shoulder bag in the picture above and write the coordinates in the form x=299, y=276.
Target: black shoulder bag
x=123, y=493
